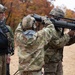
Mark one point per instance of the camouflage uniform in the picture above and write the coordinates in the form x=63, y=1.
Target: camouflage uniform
x=2, y=54
x=31, y=50
x=54, y=50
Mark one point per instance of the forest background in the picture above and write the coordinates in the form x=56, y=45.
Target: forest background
x=17, y=9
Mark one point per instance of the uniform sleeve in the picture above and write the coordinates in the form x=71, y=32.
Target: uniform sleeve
x=61, y=42
x=45, y=34
x=11, y=50
x=19, y=37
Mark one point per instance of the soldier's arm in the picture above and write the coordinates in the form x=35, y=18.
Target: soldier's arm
x=11, y=40
x=72, y=39
x=44, y=35
x=64, y=40
x=61, y=42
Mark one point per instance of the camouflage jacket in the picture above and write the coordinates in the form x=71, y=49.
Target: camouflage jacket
x=31, y=51
x=54, y=49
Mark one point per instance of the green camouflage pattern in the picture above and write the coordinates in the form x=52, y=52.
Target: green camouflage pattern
x=31, y=51
x=10, y=36
x=57, y=12
x=53, y=68
x=54, y=49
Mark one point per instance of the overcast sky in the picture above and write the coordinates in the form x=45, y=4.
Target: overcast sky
x=70, y=4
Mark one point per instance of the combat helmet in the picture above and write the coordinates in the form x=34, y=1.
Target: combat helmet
x=57, y=12
x=2, y=8
x=28, y=22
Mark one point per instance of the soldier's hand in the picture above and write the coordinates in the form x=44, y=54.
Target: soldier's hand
x=71, y=33
x=8, y=58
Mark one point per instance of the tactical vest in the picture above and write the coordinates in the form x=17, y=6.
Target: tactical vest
x=4, y=38
x=3, y=42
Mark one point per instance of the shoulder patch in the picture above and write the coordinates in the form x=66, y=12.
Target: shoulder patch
x=29, y=33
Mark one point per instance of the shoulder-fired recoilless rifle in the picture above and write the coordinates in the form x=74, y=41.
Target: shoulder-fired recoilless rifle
x=58, y=23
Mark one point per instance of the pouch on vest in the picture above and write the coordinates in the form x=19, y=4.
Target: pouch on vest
x=3, y=41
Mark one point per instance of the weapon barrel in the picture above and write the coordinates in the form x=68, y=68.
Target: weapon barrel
x=37, y=17
x=57, y=23
x=63, y=24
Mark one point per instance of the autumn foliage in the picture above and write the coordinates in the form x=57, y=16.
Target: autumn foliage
x=17, y=9
x=70, y=14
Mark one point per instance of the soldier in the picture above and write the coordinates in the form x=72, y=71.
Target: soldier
x=54, y=53
x=4, y=41
x=30, y=45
